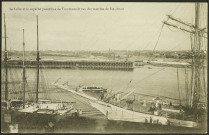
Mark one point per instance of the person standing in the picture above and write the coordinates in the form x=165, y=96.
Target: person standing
x=102, y=95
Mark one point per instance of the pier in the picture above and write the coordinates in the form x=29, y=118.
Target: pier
x=97, y=65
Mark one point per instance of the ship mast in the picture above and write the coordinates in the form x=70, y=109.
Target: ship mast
x=38, y=64
x=5, y=62
x=24, y=79
x=197, y=34
x=196, y=63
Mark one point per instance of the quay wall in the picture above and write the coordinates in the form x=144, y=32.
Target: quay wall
x=99, y=65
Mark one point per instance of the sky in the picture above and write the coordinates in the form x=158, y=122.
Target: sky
x=67, y=26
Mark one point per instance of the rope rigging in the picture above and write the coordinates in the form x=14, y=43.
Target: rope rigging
x=156, y=42
x=133, y=89
x=45, y=93
x=16, y=85
x=30, y=91
x=178, y=86
x=149, y=43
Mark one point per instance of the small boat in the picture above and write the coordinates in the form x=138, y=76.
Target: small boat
x=92, y=89
x=54, y=108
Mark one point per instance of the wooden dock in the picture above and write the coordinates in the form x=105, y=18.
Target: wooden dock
x=98, y=65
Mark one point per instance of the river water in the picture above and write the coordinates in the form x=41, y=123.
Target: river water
x=150, y=80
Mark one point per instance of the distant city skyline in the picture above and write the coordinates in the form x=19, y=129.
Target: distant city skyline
x=136, y=27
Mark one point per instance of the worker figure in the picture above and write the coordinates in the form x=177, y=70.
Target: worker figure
x=157, y=103
x=8, y=104
x=152, y=109
x=160, y=107
x=107, y=114
x=117, y=97
x=144, y=103
x=102, y=95
x=80, y=112
x=150, y=119
x=129, y=104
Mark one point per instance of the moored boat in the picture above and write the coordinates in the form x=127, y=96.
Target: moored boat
x=92, y=89
x=113, y=112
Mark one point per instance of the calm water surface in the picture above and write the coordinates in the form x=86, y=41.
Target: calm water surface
x=149, y=80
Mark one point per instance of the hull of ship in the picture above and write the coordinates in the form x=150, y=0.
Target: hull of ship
x=113, y=112
x=42, y=118
x=94, y=91
x=33, y=117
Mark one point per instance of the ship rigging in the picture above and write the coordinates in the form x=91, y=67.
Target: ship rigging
x=115, y=112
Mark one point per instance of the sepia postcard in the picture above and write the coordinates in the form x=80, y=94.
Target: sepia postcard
x=104, y=67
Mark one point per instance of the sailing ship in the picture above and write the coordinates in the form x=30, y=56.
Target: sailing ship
x=190, y=115
x=41, y=107
x=6, y=102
